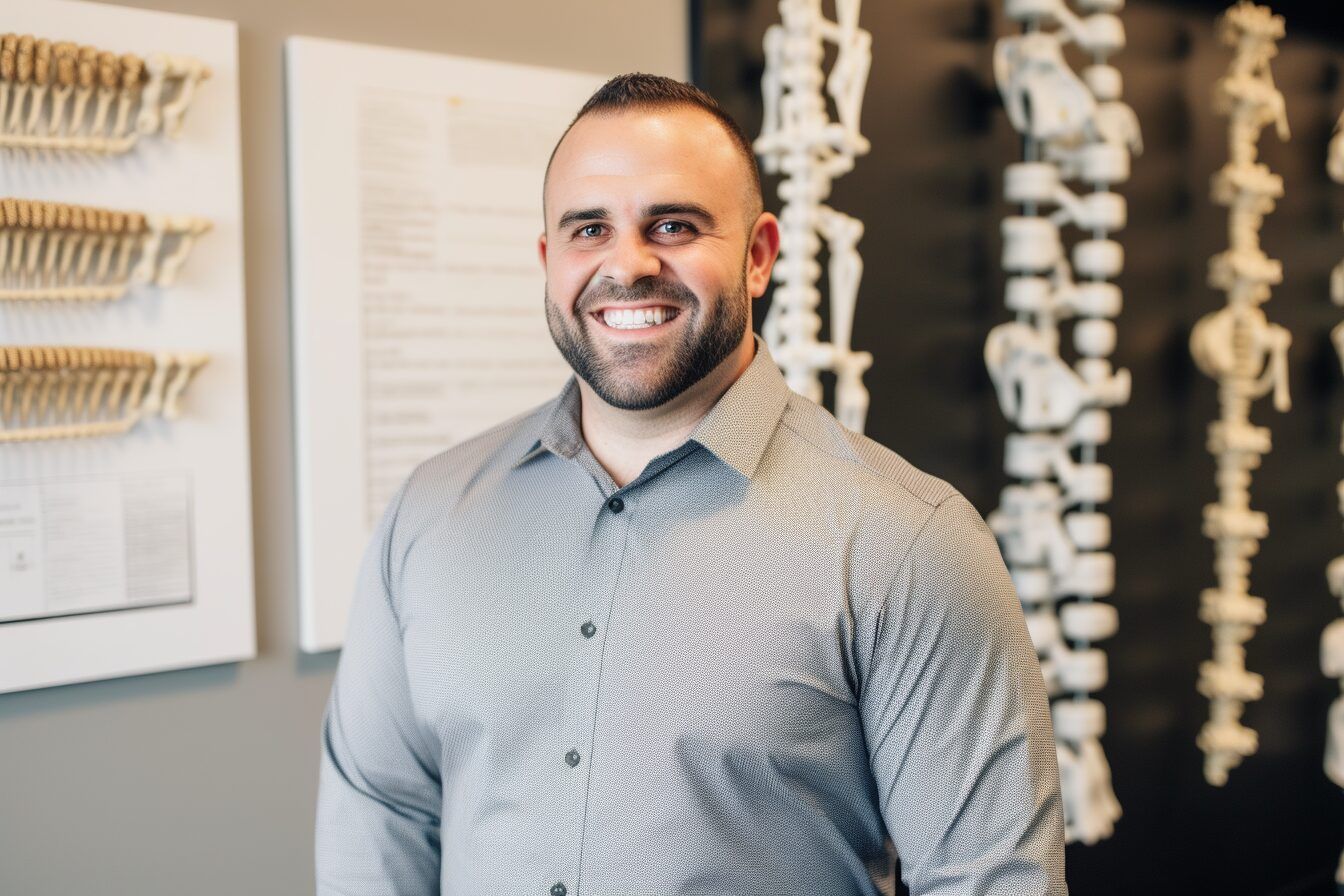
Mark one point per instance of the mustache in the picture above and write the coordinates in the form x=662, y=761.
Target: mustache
x=667, y=292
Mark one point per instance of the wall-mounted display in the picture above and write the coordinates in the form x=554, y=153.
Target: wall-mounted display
x=1076, y=128
x=800, y=141
x=1248, y=356
x=125, y=516
x=415, y=207
x=56, y=251
x=61, y=95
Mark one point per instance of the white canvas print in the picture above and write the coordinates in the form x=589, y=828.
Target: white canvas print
x=126, y=544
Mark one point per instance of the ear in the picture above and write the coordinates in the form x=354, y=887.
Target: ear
x=762, y=250
x=541, y=250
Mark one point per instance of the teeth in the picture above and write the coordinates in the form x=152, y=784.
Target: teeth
x=637, y=318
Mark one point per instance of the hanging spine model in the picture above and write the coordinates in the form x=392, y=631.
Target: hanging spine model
x=1332, y=639
x=62, y=96
x=1055, y=540
x=799, y=140
x=1248, y=356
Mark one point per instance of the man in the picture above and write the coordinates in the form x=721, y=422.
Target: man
x=677, y=630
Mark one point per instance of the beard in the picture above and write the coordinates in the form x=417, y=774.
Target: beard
x=639, y=376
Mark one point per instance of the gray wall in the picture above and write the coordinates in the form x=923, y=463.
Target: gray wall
x=203, y=781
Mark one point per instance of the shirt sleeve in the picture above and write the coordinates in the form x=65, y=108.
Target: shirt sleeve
x=379, y=790
x=957, y=721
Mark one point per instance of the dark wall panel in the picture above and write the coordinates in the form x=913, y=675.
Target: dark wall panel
x=929, y=196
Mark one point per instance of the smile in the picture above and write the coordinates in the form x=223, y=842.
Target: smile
x=636, y=318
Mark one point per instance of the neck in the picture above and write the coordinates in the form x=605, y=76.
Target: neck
x=624, y=442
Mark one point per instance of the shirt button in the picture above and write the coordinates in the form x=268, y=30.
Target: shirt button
x=588, y=629
x=572, y=757
x=558, y=890
x=615, y=505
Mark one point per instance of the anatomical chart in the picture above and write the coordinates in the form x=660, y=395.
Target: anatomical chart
x=415, y=208
x=125, y=513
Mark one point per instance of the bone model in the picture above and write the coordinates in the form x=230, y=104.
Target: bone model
x=1054, y=539
x=53, y=251
x=51, y=392
x=1248, y=356
x=799, y=140
x=1332, y=640
x=68, y=97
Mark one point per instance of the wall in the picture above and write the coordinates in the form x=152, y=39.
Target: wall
x=204, y=781
x=932, y=289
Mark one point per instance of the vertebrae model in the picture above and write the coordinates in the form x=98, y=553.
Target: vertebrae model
x=54, y=251
x=799, y=140
x=1248, y=356
x=1053, y=536
x=68, y=97
x=53, y=392
x=1332, y=640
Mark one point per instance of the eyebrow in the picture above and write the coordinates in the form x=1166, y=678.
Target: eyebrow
x=582, y=214
x=685, y=209
x=657, y=210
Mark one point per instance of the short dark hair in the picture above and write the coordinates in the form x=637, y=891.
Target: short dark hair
x=638, y=90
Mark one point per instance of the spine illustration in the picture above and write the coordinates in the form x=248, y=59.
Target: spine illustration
x=63, y=96
x=61, y=392
x=54, y=251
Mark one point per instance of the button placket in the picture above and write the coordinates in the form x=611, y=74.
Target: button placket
x=607, y=565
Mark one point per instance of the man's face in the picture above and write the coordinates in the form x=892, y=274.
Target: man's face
x=648, y=252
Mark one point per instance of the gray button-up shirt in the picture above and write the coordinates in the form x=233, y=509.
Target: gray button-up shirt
x=778, y=661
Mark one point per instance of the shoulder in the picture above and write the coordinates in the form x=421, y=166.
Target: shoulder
x=439, y=483
x=888, y=513
x=825, y=456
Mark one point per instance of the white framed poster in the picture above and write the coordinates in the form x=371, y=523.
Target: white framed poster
x=415, y=206
x=132, y=553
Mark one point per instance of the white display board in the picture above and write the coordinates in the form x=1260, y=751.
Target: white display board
x=133, y=553
x=415, y=206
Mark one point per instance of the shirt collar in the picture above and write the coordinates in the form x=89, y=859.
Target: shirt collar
x=736, y=430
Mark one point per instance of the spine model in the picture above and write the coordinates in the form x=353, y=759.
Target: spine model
x=62, y=96
x=1076, y=129
x=51, y=251
x=1248, y=356
x=1332, y=640
x=58, y=392
x=799, y=141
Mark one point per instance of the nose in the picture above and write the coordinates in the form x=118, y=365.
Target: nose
x=630, y=260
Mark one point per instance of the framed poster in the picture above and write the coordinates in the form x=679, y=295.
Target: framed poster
x=415, y=206
x=131, y=552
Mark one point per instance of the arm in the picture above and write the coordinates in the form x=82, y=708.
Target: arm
x=957, y=722
x=379, y=792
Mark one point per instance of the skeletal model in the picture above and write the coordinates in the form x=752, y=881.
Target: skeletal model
x=799, y=140
x=52, y=251
x=1248, y=356
x=69, y=97
x=1332, y=640
x=52, y=392
x=1053, y=536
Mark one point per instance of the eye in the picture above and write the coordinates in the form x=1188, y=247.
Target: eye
x=673, y=228
x=590, y=231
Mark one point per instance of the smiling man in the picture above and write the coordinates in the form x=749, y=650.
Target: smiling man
x=677, y=630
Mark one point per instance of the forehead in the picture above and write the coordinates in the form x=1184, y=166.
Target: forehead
x=628, y=159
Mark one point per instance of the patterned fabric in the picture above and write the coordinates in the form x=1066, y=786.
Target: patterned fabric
x=774, y=662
